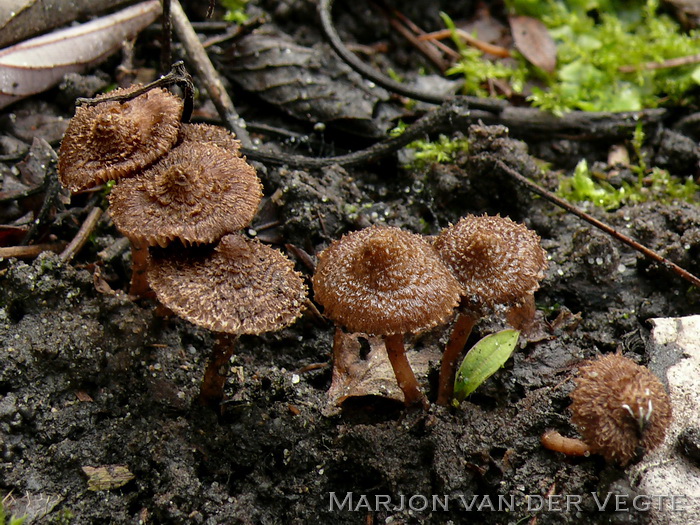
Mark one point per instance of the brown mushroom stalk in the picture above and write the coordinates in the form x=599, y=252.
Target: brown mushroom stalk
x=211, y=391
x=498, y=263
x=405, y=377
x=139, y=261
x=389, y=282
x=461, y=331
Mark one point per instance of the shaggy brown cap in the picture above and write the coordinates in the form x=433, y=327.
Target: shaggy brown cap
x=116, y=139
x=240, y=287
x=620, y=408
x=496, y=260
x=212, y=134
x=384, y=281
x=197, y=193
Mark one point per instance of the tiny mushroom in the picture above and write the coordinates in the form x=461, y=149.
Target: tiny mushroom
x=389, y=282
x=111, y=139
x=241, y=286
x=197, y=193
x=498, y=263
x=621, y=408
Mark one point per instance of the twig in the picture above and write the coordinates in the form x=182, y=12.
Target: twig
x=455, y=114
x=178, y=75
x=83, y=234
x=166, y=57
x=491, y=49
x=324, y=11
x=26, y=252
x=672, y=62
x=375, y=152
x=208, y=74
x=647, y=252
x=53, y=188
x=418, y=31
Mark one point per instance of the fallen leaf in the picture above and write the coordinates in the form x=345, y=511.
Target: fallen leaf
x=533, y=40
x=107, y=477
x=355, y=375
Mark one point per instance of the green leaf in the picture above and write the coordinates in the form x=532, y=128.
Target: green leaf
x=482, y=361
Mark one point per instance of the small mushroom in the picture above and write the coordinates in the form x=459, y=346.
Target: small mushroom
x=211, y=134
x=239, y=287
x=620, y=408
x=110, y=140
x=197, y=193
x=389, y=282
x=498, y=263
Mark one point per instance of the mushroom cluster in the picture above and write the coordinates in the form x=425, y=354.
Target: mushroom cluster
x=388, y=282
x=183, y=185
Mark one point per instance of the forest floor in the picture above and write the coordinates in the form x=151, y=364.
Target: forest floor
x=92, y=378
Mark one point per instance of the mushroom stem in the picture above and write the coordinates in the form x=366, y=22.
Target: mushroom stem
x=453, y=351
x=402, y=370
x=139, y=257
x=521, y=316
x=211, y=393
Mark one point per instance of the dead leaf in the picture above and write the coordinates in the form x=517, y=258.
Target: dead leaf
x=311, y=84
x=107, y=477
x=355, y=375
x=35, y=65
x=533, y=40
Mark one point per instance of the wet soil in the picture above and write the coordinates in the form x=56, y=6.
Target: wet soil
x=92, y=378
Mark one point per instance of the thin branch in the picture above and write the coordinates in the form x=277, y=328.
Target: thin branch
x=26, y=252
x=491, y=49
x=647, y=252
x=672, y=62
x=197, y=55
x=83, y=234
x=324, y=11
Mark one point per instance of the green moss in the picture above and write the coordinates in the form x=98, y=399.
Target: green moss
x=9, y=520
x=594, y=39
x=442, y=151
x=657, y=185
x=235, y=11
x=477, y=70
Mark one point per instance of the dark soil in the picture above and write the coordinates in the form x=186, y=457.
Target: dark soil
x=89, y=378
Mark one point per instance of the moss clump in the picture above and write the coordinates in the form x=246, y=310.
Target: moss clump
x=656, y=185
x=595, y=39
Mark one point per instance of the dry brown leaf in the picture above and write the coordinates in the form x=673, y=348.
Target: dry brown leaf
x=355, y=376
x=533, y=40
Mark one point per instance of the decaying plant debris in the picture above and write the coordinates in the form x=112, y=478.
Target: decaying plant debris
x=90, y=379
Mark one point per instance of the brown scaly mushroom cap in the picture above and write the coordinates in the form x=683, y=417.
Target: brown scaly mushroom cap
x=197, y=193
x=240, y=287
x=620, y=407
x=212, y=134
x=496, y=260
x=384, y=281
x=116, y=139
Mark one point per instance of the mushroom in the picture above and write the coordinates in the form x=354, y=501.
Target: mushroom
x=211, y=134
x=498, y=263
x=241, y=286
x=197, y=193
x=620, y=408
x=110, y=140
x=389, y=282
